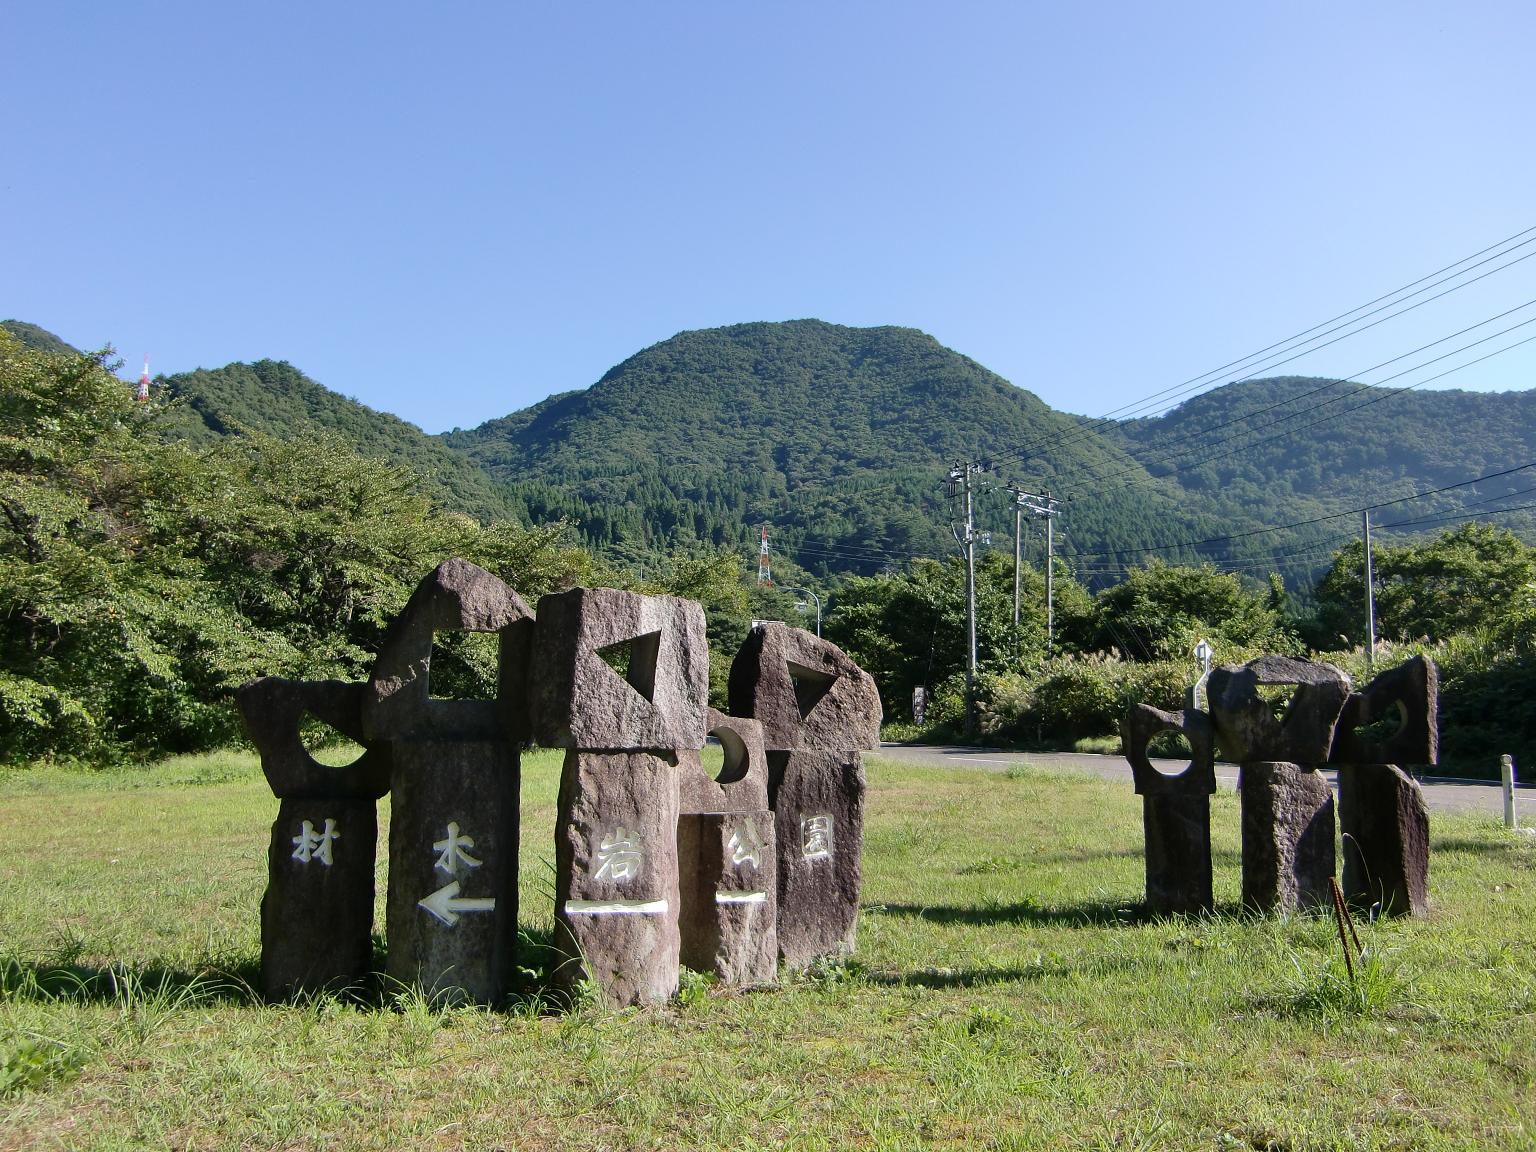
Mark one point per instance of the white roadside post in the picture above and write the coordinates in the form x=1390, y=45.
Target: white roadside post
x=1507, y=766
x=1203, y=653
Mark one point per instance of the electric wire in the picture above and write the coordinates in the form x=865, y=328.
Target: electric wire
x=1358, y=390
x=1113, y=552
x=1196, y=382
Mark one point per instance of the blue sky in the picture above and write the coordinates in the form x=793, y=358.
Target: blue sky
x=451, y=211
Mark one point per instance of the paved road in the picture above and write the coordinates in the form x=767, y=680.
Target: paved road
x=1442, y=794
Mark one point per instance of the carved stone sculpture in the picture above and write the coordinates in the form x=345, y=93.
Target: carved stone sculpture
x=742, y=784
x=621, y=681
x=317, y=912
x=451, y=913
x=616, y=874
x=817, y=708
x=1385, y=841
x=1246, y=727
x=729, y=895
x=1176, y=810
x=805, y=691
x=1408, y=694
x=614, y=669
x=1288, y=853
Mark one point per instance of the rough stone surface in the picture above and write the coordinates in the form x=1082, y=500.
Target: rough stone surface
x=1246, y=728
x=317, y=913
x=805, y=691
x=445, y=794
x=729, y=893
x=1178, y=832
x=616, y=874
x=514, y=665
x=818, y=804
x=578, y=700
x=273, y=708
x=1385, y=825
x=456, y=596
x=1141, y=724
x=742, y=785
x=1288, y=853
x=1411, y=693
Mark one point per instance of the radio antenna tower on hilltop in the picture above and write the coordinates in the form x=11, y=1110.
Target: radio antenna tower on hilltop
x=764, y=575
x=141, y=394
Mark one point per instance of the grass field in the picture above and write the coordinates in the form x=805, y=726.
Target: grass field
x=1005, y=995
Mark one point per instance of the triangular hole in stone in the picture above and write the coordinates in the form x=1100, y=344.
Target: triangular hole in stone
x=635, y=661
x=810, y=686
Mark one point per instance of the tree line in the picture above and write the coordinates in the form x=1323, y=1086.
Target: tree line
x=144, y=574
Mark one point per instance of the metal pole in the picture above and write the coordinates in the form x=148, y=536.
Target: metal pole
x=1050, y=577
x=1507, y=770
x=1370, y=596
x=801, y=605
x=1018, y=558
x=970, y=607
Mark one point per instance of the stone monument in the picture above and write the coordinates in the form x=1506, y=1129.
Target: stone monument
x=1176, y=810
x=1288, y=811
x=1382, y=814
x=657, y=862
x=817, y=709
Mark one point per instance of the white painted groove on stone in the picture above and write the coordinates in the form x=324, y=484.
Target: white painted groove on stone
x=741, y=897
x=615, y=907
x=446, y=903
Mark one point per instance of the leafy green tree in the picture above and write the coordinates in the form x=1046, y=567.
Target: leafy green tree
x=1160, y=612
x=909, y=628
x=142, y=579
x=1468, y=578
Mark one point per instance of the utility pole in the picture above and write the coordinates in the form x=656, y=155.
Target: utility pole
x=1018, y=561
x=1041, y=506
x=960, y=484
x=1370, y=596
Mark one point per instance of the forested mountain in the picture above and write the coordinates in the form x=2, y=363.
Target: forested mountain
x=1288, y=449
x=838, y=438
x=275, y=397
x=38, y=339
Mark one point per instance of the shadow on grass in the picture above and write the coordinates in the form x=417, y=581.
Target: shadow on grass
x=1218, y=857
x=62, y=979
x=1046, y=968
x=1082, y=914
x=1504, y=846
x=236, y=981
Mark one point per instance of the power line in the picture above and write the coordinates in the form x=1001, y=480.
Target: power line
x=1362, y=388
x=1287, y=432
x=1201, y=380
x=1114, y=552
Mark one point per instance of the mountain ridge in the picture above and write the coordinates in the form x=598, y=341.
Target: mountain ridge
x=840, y=439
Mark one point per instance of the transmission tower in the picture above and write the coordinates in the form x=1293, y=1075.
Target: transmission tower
x=764, y=573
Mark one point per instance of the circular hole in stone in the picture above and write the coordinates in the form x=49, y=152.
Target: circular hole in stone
x=736, y=759
x=1170, y=744
x=326, y=746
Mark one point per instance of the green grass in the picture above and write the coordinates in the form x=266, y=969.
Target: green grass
x=1006, y=994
